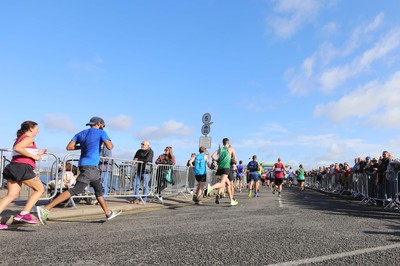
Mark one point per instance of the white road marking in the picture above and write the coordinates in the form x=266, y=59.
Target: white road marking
x=280, y=203
x=336, y=256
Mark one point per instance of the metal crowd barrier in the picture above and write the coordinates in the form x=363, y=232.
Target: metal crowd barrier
x=124, y=178
x=370, y=188
x=46, y=169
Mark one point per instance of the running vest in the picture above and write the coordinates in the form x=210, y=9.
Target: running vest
x=240, y=169
x=301, y=175
x=279, y=170
x=224, y=161
x=200, y=165
x=18, y=158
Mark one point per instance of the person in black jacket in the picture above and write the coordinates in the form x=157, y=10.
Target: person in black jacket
x=144, y=159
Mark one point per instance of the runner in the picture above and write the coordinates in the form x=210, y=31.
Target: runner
x=20, y=171
x=279, y=170
x=89, y=142
x=199, y=162
x=290, y=177
x=239, y=176
x=253, y=167
x=225, y=154
x=301, y=178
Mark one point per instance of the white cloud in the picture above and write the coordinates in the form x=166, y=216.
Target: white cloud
x=330, y=28
x=333, y=77
x=318, y=72
x=87, y=67
x=121, y=122
x=59, y=122
x=170, y=128
x=292, y=15
x=377, y=103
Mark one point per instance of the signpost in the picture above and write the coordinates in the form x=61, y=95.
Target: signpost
x=205, y=140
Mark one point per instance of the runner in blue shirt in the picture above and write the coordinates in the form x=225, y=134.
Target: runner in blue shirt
x=89, y=141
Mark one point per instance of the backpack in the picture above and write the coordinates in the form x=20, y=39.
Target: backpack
x=252, y=166
x=199, y=165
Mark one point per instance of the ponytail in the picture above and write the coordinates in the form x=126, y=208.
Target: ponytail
x=25, y=127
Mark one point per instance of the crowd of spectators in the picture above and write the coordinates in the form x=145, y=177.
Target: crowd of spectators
x=375, y=169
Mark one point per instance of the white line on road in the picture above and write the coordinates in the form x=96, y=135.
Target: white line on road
x=280, y=203
x=336, y=256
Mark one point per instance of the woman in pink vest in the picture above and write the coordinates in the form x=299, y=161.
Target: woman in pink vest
x=21, y=171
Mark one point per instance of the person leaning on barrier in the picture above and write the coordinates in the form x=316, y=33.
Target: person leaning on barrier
x=165, y=163
x=143, y=173
x=89, y=142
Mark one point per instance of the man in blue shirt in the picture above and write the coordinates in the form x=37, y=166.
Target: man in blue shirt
x=89, y=141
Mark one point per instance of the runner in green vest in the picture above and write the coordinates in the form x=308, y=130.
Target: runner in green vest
x=225, y=155
x=301, y=178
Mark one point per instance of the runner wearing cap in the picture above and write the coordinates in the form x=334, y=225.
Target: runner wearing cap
x=89, y=142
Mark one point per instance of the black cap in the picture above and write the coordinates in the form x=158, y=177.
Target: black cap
x=94, y=120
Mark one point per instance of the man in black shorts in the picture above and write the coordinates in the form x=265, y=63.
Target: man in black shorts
x=199, y=163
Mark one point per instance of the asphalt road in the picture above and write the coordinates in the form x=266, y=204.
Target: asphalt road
x=299, y=228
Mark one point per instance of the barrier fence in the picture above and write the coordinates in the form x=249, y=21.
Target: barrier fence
x=372, y=188
x=47, y=170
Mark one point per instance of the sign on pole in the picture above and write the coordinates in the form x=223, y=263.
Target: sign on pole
x=205, y=142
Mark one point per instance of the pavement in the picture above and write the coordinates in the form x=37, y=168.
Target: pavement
x=84, y=209
x=307, y=228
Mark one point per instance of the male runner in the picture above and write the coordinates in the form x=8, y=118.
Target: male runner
x=279, y=170
x=89, y=142
x=225, y=156
x=240, y=175
x=199, y=162
x=253, y=167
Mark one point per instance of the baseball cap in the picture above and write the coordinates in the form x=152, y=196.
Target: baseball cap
x=368, y=158
x=94, y=120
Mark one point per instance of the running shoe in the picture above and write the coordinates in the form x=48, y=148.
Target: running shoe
x=209, y=190
x=113, y=214
x=199, y=203
x=234, y=203
x=43, y=214
x=279, y=195
x=194, y=198
x=27, y=218
x=217, y=199
x=250, y=194
x=273, y=191
x=3, y=226
x=256, y=195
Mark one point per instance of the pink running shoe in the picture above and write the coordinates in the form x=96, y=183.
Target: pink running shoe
x=27, y=218
x=3, y=226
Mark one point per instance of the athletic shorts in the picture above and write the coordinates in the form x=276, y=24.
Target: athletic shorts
x=302, y=180
x=253, y=177
x=18, y=172
x=231, y=175
x=223, y=171
x=89, y=175
x=278, y=181
x=201, y=178
x=239, y=176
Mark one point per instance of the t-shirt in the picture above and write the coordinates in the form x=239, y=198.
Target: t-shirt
x=224, y=161
x=240, y=169
x=253, y=166
x=279, y=170
x=90, y=141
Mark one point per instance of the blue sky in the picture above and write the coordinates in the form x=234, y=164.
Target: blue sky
x=311, y=81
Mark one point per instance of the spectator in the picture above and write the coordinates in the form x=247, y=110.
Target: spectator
x=165, y=162
x=105, y=169
x=144, y=157
x=192, y=157
x=65, y=181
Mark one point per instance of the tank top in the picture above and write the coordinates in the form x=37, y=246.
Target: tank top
x=279, y=170
x=18, y=158
x=224, y=161
x=301, y=174
x=200, y=164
